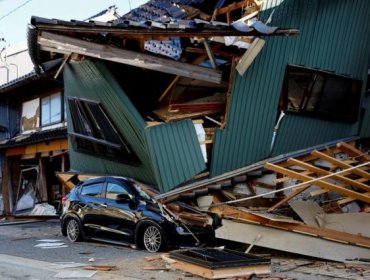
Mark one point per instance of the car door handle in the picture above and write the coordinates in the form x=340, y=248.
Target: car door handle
x=103, y=205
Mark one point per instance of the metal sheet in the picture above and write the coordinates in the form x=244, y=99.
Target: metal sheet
x=334, y=37
x=170, y=154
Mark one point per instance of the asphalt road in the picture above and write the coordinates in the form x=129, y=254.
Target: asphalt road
x=39, y=251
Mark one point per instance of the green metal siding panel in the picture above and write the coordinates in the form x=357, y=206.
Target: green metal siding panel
x=178, y=139
x=325, y=131
x=93, y=81
x=170, y=153
x=335, y=37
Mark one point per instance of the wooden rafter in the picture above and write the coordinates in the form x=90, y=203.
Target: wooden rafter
x=320, y=171
x=341, y=164
x=325, y=185
x=352, y=151
x=64, y=44
x=232, y=7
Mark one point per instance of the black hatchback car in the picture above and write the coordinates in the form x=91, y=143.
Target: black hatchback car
x=120, y=210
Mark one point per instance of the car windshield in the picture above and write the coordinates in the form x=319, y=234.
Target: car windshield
x=140, y=191
x=144, y=191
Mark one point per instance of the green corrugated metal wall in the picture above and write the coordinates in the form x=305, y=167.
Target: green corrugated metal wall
x=183, y=157
x=166, y=140
x=92, y=81
x=334, y=37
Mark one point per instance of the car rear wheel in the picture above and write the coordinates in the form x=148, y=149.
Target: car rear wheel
x=153, y=238
x=74, y=230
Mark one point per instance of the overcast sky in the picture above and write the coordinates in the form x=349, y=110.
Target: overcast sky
x=16, y=14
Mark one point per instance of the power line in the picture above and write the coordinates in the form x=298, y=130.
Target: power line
x=14, y=10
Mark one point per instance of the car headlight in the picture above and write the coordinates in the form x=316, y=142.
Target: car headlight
x=180, y=230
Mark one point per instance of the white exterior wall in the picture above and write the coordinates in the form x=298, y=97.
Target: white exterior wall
x=15, y=62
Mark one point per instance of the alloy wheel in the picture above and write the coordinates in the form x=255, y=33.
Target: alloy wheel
x=152, y=239
x=73, y=230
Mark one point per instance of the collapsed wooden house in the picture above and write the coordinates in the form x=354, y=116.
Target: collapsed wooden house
x=188, y=69
x=318, y=208
x=187, y=55
x=192, y=96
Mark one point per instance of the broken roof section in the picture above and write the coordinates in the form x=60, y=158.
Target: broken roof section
x=184, y=51
x=163, y=19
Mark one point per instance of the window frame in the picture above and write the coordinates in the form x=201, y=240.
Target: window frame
x=90, y=134
x=61, y=108
x=351, y=98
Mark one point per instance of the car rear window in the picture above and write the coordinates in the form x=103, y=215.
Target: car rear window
x=92, y=190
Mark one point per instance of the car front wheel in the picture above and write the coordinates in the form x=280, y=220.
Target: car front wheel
x=153, y=238
x=74, y=230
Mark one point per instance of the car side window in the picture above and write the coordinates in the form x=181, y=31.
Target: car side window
x=92, y=190
x=114, y=189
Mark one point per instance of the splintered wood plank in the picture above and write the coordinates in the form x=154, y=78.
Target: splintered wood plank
x=341, y=164
x=317, y=182
x=323, y=172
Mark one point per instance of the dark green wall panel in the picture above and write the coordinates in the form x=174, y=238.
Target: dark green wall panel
x=170, y=153
x=175, y=138
x=334, y=37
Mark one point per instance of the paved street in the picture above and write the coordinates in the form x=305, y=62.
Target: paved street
x=39, y=251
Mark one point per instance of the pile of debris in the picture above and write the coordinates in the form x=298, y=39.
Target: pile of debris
x=315, y=204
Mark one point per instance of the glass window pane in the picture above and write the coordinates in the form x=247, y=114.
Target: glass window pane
x=114, y=189
x=55, y=108
x=30, y=114
x=45, y=110
x=92, y=190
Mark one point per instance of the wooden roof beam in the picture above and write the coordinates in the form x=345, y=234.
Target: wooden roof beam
x=320, y=171
x=341, y=164
x=318, y=182
x=352, y=151
x=64, y=44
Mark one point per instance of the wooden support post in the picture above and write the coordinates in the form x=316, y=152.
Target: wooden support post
x=5, y=187
x=61, y=66
x=42, y=181
x=229, y=90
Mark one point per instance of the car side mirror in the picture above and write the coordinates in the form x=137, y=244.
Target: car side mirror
x=124, y=198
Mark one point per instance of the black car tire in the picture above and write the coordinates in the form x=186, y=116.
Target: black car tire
x=74, y=230
x=153, y=238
